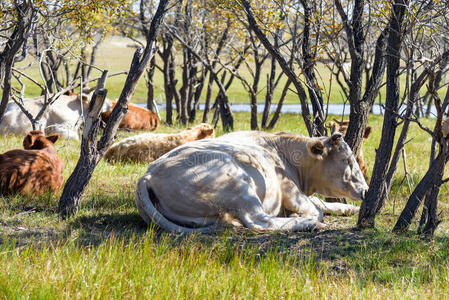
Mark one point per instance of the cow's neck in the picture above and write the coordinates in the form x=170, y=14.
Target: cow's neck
x=300, y=166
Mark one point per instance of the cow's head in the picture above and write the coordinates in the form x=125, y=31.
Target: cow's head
x=342, y=126
x=86, y=98
x=335, y=170
x=203, y=131
x=36, y=140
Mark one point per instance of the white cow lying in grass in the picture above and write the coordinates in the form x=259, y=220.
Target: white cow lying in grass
x=62, y=117
x=255, y=179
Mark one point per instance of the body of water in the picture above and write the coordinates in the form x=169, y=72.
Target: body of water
x=332, y=109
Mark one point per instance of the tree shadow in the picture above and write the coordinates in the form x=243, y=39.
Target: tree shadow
x=341, y=247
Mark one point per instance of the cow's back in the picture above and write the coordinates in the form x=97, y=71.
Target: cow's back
x=15, y=121
x=30, y=172
x=218, y=165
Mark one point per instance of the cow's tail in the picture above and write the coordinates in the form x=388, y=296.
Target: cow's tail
x=150, y=214
x=155, y=122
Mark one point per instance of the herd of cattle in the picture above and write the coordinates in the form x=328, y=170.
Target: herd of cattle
x=196, y=182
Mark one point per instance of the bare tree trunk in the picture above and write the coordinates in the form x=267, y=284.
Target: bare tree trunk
x=308, y=67
x=269, y=94
x=197, y=94
x=208, y=97
x=429, y=218
x=210, y=82
x=277, y=113
x=184, y=91
x=377, y=185
x=173, y=82
x=414, y=93
x=89, y=157
x=165, y=55
x=432, y=179
x=91, y=150
x=361, y=106
x=150, y=84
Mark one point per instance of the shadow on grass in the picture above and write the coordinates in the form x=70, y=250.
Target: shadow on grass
x=91, y=229
x=341, y=247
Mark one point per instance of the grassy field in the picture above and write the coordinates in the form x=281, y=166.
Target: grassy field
x=107, y=251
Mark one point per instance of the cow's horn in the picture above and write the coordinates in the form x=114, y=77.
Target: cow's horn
x=336, y=138
x=333, y=128
x=338, y=122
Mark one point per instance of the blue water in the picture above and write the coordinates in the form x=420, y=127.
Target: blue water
x=332, y=109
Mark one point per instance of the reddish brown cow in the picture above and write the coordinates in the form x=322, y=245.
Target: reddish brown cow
x=342, y=126
x=137, y=118
x=32, y=171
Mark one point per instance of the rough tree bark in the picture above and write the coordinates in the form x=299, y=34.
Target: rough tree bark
x=150, y=84
x=91, y=149
x=309, y=73
x=361, y=106
x=433, y=177
x=167, y=45
x=370, y=203
x=270, y=92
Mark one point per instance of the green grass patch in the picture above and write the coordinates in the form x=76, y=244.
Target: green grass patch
x=107, y=251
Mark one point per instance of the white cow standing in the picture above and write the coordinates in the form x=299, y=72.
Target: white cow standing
x=255, y=179
x=62, y=117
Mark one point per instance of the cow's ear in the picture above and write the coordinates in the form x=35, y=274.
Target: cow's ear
x=85, y=98
x=332, y=126
x=28, y=141
x=53, y=138
x=335, y=138
x=368, y=130
x=208, y=132
x=316, y=149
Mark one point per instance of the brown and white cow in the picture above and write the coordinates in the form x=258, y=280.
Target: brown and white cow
x=256, y=179
x=33, y=171
x=137, y=118
x=147, y=147
x=342, y=126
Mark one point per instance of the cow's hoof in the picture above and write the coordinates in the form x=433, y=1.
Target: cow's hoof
x=319, y=226
x=351, y=210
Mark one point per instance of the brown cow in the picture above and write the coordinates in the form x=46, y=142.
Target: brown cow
x=342, y=126
x=137, y=118
x=32, y=171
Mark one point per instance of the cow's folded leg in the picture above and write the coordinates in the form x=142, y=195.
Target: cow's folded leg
x=334, y=207
x=256, y=218
x=267, y=222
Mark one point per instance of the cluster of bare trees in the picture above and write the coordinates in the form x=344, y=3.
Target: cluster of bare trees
x=271, y=48
x=364, y=45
